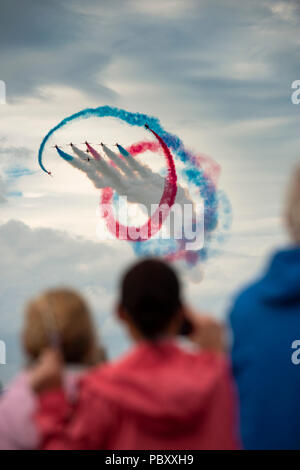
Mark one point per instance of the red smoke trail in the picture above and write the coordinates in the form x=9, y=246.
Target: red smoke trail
x=154, y=223
x=211, y=169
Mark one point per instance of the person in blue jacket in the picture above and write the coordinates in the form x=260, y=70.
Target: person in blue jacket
x=265, y=322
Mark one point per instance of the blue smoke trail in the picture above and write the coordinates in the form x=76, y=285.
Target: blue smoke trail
x=64, y=155
x=134, y=119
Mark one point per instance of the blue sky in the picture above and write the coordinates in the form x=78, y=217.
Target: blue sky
x=216, y=73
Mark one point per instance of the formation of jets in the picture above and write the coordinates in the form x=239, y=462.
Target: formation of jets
x=87, y=150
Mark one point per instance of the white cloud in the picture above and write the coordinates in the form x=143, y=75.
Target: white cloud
x=163, y=8
x=36, y=259
x=286, y=11
x=2, y=191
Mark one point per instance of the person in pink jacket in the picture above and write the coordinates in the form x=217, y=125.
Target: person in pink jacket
x=160, y=395
x=59, y=317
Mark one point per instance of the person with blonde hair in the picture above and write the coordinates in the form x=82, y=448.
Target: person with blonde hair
x=265, y=322
x=58, y=319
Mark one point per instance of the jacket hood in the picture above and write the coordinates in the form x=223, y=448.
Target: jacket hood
x=169, y=386
x=281, y=283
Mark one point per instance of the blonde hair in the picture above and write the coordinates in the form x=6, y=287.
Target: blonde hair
x=65, y=314
x=292, y=213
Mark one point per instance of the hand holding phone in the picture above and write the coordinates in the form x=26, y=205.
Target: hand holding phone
x=203, y=330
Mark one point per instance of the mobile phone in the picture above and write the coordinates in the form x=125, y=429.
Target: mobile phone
x=186, y=328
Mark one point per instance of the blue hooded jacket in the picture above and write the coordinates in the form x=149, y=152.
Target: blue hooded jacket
x=265, y=322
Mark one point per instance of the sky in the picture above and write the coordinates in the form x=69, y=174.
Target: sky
x=217, y=73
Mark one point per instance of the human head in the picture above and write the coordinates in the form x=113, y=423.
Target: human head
x=63, y=313
x=292, y=210
x=150, y=300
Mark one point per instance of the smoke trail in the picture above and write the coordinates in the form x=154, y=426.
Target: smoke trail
x=140, y=190
x=153, y=225
x=156, y=220
x=136, y=190
x=83, y=166
x=117, y=160
x=134, y=119
x=100, y=164
x=198, y=170
x=80, y=153
x=193, y=174
x=141, y=170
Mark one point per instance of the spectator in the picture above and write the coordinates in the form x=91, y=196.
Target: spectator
x=265, y=321
x=59, y=316
x=160, y=395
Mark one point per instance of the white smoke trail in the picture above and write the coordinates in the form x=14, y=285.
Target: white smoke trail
x=112, y=176
x=117, y=160
x=80, y=164
x=141, y=170
x=145, y=188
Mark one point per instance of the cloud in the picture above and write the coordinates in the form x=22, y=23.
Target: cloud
x=12, y=167
x=2, y=191
x=36, y=259
x=41, y=48
x=287, y=10
x=214, y=65
x=33, y=259
x=13, y=156
x=163, y=8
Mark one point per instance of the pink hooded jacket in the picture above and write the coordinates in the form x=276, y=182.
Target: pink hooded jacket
x=159, y=396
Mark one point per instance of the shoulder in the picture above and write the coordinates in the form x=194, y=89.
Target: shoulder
x=202, y=360
x=209, y=359
x=245, y=301
x=94, y=383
